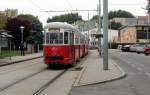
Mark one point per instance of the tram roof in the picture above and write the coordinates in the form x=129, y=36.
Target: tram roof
x=60, y=25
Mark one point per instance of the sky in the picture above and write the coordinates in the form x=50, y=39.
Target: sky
x=37, y=7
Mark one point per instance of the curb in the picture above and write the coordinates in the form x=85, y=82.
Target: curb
x=10, y=63
x=79, y=76
x=122, y=75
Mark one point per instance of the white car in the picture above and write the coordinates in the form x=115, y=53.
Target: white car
x=140, y=49
x=133, y=48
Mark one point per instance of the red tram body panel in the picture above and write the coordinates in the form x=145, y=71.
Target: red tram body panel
x=81, y=50
x=59, y=54
x=62, y=44
x=77, y=52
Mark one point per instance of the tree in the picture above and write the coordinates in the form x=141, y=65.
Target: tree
x=115, y=25
x=120, y=14
x=116, y=14
x=69, y=18
x=13, y=25
x=28, y=17
x=36, y=35
x=148, y=7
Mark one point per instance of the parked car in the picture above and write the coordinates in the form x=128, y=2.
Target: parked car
x=125, y=48
x=140, y=49
x=133, y=48
x=147, y=50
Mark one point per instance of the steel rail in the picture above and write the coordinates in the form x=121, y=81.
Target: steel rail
x=18, y=68
x=10, y=85
x=42, y=88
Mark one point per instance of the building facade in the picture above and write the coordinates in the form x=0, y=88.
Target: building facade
x=93, y=40
x=139, y=20
x=4, y=15
x=11, y=13
x=134, y=34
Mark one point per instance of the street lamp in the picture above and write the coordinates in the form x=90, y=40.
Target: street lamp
x=22, y=44
x=21, y=27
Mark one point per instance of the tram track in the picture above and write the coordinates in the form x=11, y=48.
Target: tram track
x=16, y=67
x=37, y=86
x=10, y=85
x=40, y=80
x=77, y=67
x=42, y=88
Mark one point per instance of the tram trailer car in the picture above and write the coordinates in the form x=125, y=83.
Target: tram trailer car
x=61, y=44
x=77, y=46
x=82, y=46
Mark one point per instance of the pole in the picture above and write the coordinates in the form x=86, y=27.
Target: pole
x=148, y=27
x=99, y=25
x=88, y=30
x=45, y=37
x=10, y=48
x=105, y=32
x=0, y=45
x=22, y=44
x=21, y=35
x=110, y=30
x=21, y=27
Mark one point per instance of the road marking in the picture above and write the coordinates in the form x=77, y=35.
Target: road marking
x=148, y=74
x=140, y=69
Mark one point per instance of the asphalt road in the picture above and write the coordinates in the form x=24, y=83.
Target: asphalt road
x=137, y=81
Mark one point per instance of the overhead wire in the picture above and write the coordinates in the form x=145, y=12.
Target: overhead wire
x=36, y=5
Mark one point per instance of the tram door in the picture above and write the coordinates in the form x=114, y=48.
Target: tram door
x=72, y=48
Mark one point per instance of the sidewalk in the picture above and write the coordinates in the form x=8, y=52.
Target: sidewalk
x=93, y=72
x=16, y=59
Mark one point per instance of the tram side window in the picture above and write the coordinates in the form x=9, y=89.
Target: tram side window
x=47, y=38
x=76, y=39
x=65, y=37
x=60, y=38
x=71, y=38
x=54, y=38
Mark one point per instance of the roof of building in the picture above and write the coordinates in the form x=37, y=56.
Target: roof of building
x=142, y=17
x=3, y=34
x=146, y=25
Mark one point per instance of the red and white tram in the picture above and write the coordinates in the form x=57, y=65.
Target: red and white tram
x=62, y=44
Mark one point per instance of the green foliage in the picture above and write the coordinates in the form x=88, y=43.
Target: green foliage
x=13, y=25
x=28, y=17
x=116, y=14
x=36, y=24
x=148, y=7
x=120, y=14
x=36, y=38
x=36, y=35
x=8, y=53
x=70, y=18
x=115, y=25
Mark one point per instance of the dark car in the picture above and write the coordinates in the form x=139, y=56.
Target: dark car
x=125, y=48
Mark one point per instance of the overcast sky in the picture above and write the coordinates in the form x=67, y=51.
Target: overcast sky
x=36, y=7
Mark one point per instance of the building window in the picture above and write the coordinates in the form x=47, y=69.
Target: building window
x=142, y=34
